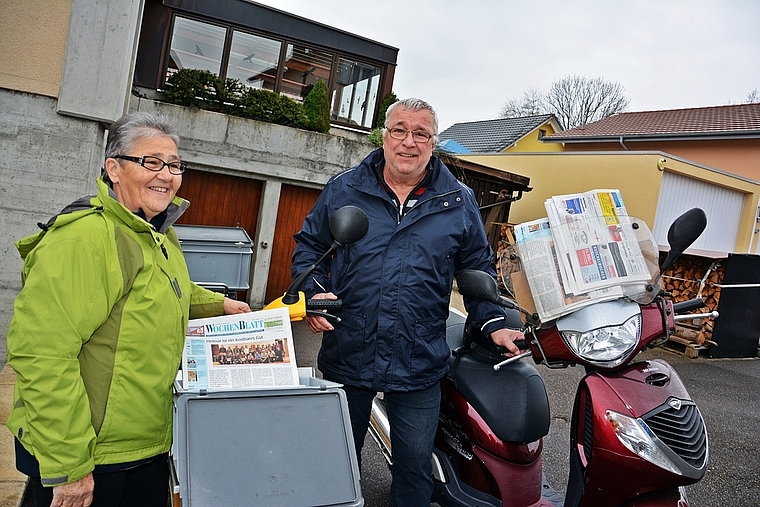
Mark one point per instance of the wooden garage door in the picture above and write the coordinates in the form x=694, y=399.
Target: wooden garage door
x=221, y=200
x=295, y=204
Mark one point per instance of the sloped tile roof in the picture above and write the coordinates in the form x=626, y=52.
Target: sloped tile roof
x=492, y=136
x=742, y=120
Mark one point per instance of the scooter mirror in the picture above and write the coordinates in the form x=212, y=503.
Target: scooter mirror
x=348, y=225
x=478, y=285
x=683, y=232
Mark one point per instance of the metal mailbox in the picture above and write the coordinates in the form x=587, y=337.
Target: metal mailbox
x=217, y=255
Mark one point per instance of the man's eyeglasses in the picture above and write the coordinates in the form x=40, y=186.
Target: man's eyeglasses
x=418, y=136
x=155, y=164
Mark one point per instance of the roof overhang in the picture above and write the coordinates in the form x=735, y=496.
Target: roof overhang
x=520, y=182
x=700, y=136
x=275, y=21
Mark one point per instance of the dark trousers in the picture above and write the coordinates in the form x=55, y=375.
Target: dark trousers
x=413, y=418
x=143, y=486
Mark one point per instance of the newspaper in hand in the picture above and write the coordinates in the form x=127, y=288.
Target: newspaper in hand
x=241, y=351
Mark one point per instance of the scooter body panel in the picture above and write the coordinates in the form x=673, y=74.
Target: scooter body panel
x=519, y=484
x=460, y=423
x=507, y=471
x=650, y=391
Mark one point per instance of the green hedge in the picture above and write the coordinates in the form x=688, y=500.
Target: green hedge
x=205, y=90
x=264, y=105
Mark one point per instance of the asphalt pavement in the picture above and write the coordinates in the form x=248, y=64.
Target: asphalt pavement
x=725, y=390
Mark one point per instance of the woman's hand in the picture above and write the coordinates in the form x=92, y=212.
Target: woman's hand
x=232, y=306
x=74, y=494
x=320, y=324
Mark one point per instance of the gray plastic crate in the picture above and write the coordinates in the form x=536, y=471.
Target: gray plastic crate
x=270, y=448
x=217, y=254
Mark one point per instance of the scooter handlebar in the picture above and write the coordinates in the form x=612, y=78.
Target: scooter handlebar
x=687, y=306
x=324, y=304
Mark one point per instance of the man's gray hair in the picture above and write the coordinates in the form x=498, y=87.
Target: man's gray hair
x=134, y=126
x=413, y=104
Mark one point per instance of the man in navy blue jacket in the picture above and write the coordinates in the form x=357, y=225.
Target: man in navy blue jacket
x=395, y=283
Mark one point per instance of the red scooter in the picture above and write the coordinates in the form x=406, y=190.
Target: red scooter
x=637, y=437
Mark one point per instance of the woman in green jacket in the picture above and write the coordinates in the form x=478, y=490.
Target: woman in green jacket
x=98, y=330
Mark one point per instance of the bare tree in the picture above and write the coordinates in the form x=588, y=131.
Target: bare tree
x=574, y=100
x=531, y=104
x=753, y=97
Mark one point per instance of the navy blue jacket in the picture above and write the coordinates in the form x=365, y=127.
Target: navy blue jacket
x=396, y=282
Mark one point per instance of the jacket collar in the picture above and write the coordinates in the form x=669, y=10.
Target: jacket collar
x=107, y=196
x=364, y=177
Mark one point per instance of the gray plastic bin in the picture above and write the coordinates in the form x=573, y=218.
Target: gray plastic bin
x=270, y=448
x=217, y=254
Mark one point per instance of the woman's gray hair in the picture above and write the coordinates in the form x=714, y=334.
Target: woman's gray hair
x=134, y=126
x=413, y=104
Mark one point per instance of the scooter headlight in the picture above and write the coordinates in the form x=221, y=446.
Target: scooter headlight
x=639, y=439
x=608, y=346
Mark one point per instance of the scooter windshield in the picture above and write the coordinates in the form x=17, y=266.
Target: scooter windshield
x=559, y=266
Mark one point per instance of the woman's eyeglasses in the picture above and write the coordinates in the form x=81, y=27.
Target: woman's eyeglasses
x=155, y=164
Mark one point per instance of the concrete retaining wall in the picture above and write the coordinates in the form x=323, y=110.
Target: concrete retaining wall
x=46, y=161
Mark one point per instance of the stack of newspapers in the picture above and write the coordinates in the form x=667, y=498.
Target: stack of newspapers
x=584, y=251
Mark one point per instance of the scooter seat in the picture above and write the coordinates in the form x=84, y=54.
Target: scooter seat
x=512, y=401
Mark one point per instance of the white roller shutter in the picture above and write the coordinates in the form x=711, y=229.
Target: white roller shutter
x=722, y=206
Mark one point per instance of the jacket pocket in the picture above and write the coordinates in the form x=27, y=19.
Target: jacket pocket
x=343, y=347
x=430, y=348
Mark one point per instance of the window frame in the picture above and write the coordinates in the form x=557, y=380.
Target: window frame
x=284, y=42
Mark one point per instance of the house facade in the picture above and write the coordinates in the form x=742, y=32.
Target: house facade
x=504, y=135
x=69, y=68
x=726, y=138
x=656, y=187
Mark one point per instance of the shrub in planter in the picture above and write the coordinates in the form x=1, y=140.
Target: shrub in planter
x=271, y=107
x=190, y=87
x=316, y=105
x=376, y=137
x=227, y=95
x=387, y=101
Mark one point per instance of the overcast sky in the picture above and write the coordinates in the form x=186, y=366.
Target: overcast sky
x=468, y=57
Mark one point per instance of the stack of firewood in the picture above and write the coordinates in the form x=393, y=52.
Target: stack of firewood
x=692, y=277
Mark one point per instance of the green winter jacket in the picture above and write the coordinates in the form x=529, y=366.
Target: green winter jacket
x=97, y=335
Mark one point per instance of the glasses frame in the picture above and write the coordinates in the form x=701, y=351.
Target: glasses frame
x=141, y=161
x=426, y=136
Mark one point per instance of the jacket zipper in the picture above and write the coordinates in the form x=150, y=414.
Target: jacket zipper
x=437, y=196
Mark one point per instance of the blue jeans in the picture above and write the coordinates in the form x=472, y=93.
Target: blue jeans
x=413, y=418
